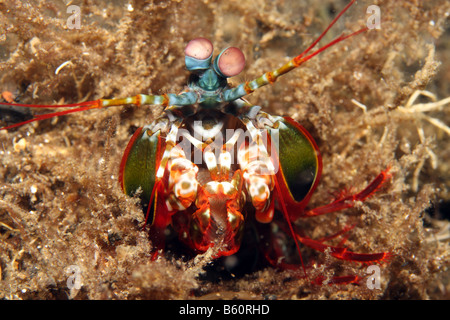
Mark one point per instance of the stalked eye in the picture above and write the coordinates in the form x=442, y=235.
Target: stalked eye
x=230, y=62
x=198, y=54
x=199, y=48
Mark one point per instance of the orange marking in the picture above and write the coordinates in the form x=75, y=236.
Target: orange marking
x=298, y=61
x=165, y=102
x=138, y=100
x=270, y=77
x=247, y=88
x=8, y=96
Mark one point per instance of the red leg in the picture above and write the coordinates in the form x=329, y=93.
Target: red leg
x=336, y=251
x=349, y=201
x=344, y=253
x=276, y=258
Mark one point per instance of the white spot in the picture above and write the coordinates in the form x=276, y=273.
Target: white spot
x=357, y=75
x=168, y=205
x=212, y=187
x=33, y=189
x=20, y=145
x=210, y=159
x=62, y=66
x=225, y=159
x=227, y=187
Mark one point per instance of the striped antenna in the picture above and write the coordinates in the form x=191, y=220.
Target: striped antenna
x=270, y=77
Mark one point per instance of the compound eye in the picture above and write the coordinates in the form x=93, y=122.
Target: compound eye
x=230, y=62
x=199, y=48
